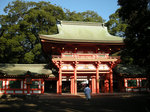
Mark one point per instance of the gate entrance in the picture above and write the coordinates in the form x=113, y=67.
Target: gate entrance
x=50, y=86
x=81, y=85
x=66, y=86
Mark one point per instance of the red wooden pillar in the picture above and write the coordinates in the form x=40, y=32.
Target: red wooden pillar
x=6, y=85
x=97, y=78
x=42, y=86
x=28, y=83
x=111, y=81
x=93, y=84
x=125, y=84
x=59, y=82
x=28, y=89
x=58, y=86
x=75, y=78
x=72, y=85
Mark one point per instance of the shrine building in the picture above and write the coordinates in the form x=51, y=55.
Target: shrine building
x=82, y=52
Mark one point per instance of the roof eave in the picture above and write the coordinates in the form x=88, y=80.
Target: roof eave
x=56, y=40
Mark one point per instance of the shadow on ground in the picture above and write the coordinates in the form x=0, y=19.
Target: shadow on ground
x=124, y=103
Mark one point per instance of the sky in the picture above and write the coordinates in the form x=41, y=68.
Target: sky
x=104, y=8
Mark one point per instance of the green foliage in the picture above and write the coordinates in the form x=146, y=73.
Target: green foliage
x=20, y=29
x=127, y=60
x=88, y=16
x=115, y=25
x=137, y=16
x=28, y=57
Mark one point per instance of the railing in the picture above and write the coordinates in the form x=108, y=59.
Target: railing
x=86, y=56
x=56, y=56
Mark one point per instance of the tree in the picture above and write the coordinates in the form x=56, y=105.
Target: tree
x=92, y=16
x=19, y=30
x=87, y=16
x=137, y=16
x=115, y=25
x=22, y=24
x=73, y=16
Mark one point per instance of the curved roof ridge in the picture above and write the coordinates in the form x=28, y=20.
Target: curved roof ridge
x=80, y=23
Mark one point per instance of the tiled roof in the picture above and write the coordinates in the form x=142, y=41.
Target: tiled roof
x=130, y=70
x=82, y=32
x=21, y=69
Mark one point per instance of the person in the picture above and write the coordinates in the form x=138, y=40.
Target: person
x=87, y=92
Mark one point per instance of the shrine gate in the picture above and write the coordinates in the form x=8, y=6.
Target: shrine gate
x=83, y=51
